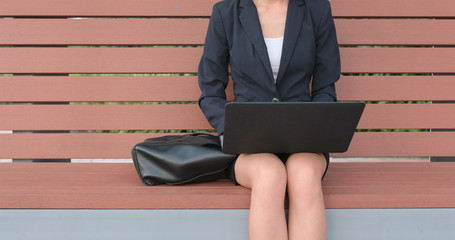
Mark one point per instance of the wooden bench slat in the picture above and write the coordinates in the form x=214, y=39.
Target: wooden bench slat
x=129, y=193
x=103, y=8
x=390, y=88
x=389, y=144
x=396, y=60
x=189, y=116
x=414, y=167
x=192, y=31
x=391, y=8
x=388, y=190
x=185, y=60
x=99, y=60
x=213, y=201
x=410, y=165
x=413, y=116
x=105, y=89
x=381, y=200
x=133, y=188
x=121, y=8
x=113, y=145
x=356, y=175
x=422, y=182
x=357, y=179
x=103, y=31
x=361, y=175
x=180, y=88
x=212, y=189
x=394, y=32
x=91, y=117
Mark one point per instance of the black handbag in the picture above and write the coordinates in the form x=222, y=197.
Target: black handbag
x=179, y=159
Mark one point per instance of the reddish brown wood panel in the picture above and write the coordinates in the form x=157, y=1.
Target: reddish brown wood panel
x=118, y=8
x=396, y=88
x=393, y=8
x=360, y=175
x=91, y=117
x=192, y=31
x=100, y=60
x=404, y=144
x=410, y=167
x=397, y=60
x=117, y=186
x=395, y=32
x=410, y=116
x=185, y=60
x=70, y=145
x=112, y=145
x=104, y=89
x=189, y=116
x=174, y=88
x=103, y=31
x=341, y=8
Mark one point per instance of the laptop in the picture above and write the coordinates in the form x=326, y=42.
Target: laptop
x=290, y=127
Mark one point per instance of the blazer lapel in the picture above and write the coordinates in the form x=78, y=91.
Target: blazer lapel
x=295, y=13
x=250, y=21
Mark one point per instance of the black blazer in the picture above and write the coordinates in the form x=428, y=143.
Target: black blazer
x=234, y=38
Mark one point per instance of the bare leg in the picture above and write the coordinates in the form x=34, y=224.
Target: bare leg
x=307, y=218
x=265, y=175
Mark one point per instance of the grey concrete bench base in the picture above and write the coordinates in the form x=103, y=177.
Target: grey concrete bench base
x=343, y=224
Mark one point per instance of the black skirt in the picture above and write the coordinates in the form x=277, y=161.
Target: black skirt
x=283, y=156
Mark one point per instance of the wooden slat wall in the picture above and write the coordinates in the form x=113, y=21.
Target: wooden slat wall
x=185, y=60
x=184, y=8
x=188, y=116
x=192, y=31
x=116, y=186
x=185, y=88
x=114, y=145
x=385, y=37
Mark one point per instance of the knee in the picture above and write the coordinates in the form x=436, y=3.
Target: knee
x=304, y=173
x=270, y=176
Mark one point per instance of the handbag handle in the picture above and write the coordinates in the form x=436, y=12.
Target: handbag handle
x=202, y=139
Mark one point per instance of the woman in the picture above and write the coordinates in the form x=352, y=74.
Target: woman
x=274, y=49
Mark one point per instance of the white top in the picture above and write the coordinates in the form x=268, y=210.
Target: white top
x=274, y=49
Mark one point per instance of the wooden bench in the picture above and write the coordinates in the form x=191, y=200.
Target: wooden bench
x=71, y=52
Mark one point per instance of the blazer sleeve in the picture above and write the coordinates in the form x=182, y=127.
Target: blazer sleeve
x=327, y=67
x=213, y=72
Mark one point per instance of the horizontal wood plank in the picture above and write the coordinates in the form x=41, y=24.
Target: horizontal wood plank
x=192, y=31
x=377, y=167
x=391, y=8
x=114, y=146
x=396, y=88
x=103, y=31
x=179, y=88
x=356, y=177
x=189, y=116
x=91, y=117
x=396, y=60
x=117, y=186
x=101, y=89
x=178, y=8
x=395, y=32
x=186, y=60
x=107, y=8
x=100, y=60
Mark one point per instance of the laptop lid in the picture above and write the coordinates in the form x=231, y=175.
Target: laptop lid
x=290, y=127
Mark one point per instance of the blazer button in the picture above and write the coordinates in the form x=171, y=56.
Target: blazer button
x=275, y=100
